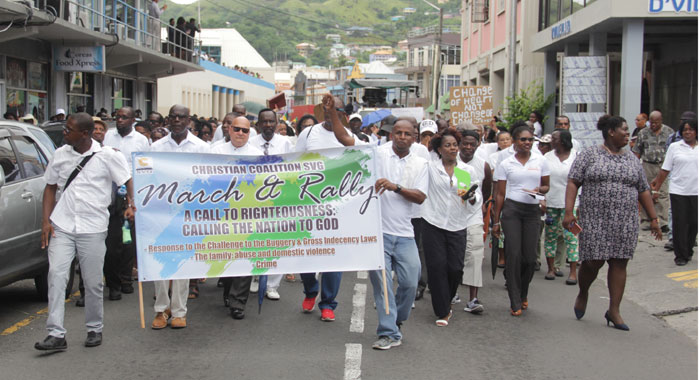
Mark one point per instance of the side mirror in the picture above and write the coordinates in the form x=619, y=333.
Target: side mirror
x=2, y=177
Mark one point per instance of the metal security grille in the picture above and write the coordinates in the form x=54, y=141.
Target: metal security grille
x=480, y=11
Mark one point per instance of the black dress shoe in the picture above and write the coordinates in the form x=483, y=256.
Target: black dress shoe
x=115, y=294
x=127, y=288
x=419, y=293
x=51, y=343
x=227, y=302
x=681, y=262
x=80, y=302
x=237, y=313
x=94, y=339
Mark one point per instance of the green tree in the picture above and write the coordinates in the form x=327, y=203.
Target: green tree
x=521, y=105
x=320, y=57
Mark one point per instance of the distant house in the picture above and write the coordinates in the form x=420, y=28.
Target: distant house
x=397, y=18
x=359, y=31
x=305, y=49
x=338, y=50
x=382, y=56
x=333, y=37
x=409, y=10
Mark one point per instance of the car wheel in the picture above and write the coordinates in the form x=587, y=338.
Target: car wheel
x=41, y=282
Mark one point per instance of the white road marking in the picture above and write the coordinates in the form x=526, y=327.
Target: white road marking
x=362, y=275
x=357, y=321
x=353, y=361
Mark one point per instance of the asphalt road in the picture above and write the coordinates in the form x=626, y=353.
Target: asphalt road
x=547, y=342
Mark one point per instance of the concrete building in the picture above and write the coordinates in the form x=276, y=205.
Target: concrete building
x=649, y=51
x=229, y=48
x=485, y=47
x=85, y=55
x=382, y=56
x=422, y=44
x=305, y=49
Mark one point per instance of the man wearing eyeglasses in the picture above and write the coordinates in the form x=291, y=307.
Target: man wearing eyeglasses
x=182, y=141
x=119, y=259
x=330, y=133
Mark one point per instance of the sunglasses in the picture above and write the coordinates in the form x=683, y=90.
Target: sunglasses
x=530, y=139
x=239, y=129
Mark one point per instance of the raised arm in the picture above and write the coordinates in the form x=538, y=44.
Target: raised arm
x=332, y=116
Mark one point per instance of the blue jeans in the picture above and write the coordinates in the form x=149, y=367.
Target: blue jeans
x=330, y=283
x=401, y=256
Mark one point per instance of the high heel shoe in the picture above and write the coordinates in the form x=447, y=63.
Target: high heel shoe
x=579, y=313
x=620, y=326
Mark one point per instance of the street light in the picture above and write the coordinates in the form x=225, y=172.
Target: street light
x=436, y=60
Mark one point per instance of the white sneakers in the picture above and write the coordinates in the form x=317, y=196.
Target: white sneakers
x=272, y=294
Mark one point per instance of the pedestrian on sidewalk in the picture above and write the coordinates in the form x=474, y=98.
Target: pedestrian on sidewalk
x=174, y=304
x=76, y=225
x=446, y=215
x=402, y=185
x=522, y=177
x=681, y=163
x=612, y=181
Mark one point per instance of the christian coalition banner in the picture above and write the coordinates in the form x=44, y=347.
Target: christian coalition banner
x=208, y=215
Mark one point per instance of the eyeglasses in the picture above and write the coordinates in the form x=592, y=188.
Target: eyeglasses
x=122, y=117
x=530, y=139
x=67, y=129
x=175, y=116
x=239, y=129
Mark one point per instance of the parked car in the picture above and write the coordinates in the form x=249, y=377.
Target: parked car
x=25, y=151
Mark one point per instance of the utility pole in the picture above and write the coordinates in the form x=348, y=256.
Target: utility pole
x=436, y=61
x=512, y=45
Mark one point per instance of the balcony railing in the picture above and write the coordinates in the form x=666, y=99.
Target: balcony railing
x=127, y=23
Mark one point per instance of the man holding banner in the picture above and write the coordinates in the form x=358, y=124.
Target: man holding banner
x=182, y=141
x=403, y=185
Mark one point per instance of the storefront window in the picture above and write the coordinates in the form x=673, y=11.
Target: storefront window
x=26, y=88
x=565, y=9
x=80, y=92
x=122, y=93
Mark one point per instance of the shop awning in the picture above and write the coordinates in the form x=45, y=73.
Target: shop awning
x=380, y=83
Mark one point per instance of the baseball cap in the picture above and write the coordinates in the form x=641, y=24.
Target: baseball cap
x=546, y=139
x=428, y=126
x=689, y=115
x=355, y=116
x=60, y=111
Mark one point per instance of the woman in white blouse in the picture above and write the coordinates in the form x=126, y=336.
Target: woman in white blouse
x=522, y=180
x=681, y=163
x=446, y=214
x=559, y=160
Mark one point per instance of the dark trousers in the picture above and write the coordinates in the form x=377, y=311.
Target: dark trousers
x=330, y=285
x=521, y=225
x=119, y=258
x=684, y=210
x=418, y=237
x=444, y=257
x=237, y=289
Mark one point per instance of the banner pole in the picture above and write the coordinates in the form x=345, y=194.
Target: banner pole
x=143, y=322
x=386, y=292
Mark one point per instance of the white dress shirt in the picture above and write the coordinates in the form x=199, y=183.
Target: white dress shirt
x=682, y=162
x=245, y=150
x=558, y=178
x=485, y=150
x=133, y=142
x=521, y=177
x=416, y=148
x=82, y=207
x=476, y=218
x=316, y=137
x=444, y=208
x=190, y=144
x=509, y=152
x=411, y=172
x=278, y=144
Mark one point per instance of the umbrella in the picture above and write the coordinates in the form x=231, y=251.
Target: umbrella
x=262, y=287
x=375, y=117
x=494, y=240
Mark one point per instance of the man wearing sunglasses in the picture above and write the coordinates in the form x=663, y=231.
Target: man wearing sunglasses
x=239, y=132
x=119, y=260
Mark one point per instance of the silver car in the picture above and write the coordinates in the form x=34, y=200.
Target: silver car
x=25, y=151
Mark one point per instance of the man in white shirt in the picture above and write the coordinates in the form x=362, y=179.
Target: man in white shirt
x=562, y=122
x=77, y=224
x=270, y=143
x=237, y=289
x=402, y=186
x=329, y=134
x=182, y=141
x=222, y=133
x=119, y=259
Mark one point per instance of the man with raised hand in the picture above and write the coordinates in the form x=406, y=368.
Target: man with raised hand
x=271, y=143
x=119, y=260
x=402, y=185
x=179, y=140
x=77, y=224
x=237, y=289
x=328, y=134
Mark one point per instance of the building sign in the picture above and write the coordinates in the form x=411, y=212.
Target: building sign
x=471, y=103
x=561, y=29
x=677, y=6
x=79, y=58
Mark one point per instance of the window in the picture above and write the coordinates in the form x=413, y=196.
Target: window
x=214, y=53
x=552, y=11
x=447, y=81
x=32, y=161
x=451, y=55
x=8, y=161
x=500, y=6
x=421, y=57
x=122, y=93
x=150, y=91
x=411, y=55
x=80, y=92
x=419, y=80
x=26, y=88
x=565, y=9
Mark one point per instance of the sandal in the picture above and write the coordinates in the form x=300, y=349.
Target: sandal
x=289, y=277
x=524, y=305
x=516, y=313
x=442, y=322
x=194, y=292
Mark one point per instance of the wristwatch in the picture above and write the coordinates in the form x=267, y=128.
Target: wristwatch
x=398, y=189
